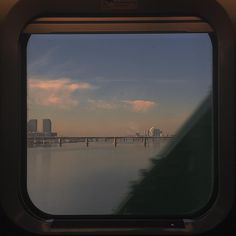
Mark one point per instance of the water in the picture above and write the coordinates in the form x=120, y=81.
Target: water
x=79, y=180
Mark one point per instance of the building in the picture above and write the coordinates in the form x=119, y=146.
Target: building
x=47, y=126
x=32, y=126
x=46, y=132
x=154, y=132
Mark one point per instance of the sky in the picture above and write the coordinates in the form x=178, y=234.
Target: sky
x=117, y=84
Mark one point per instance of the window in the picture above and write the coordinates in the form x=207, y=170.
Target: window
x=115, y=102
x=178, y=183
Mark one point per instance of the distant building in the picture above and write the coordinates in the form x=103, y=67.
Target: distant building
x=47, y=126
x=32, y=126
x=154, y=132
x=46, y=132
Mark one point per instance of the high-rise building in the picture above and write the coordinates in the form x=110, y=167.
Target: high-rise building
x=32, y=126
x=47, y=126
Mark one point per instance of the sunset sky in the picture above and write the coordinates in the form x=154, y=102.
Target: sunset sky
x=117, y=84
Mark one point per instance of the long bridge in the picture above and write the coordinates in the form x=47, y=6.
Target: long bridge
x=60, y=140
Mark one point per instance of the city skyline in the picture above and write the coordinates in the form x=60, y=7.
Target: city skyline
x=117, y=84
x=47, y=125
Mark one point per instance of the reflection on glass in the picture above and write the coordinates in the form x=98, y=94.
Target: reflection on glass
x=120, y=123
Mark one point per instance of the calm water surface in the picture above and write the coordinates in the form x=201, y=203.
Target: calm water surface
x=80, y=180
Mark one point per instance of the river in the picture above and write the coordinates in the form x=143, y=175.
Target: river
x=79, y=180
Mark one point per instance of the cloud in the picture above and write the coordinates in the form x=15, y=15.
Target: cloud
x=58, y=85
x=102, y=104
x=133, y=105
x=140, y=105
x=58, y=92
x=40, y=62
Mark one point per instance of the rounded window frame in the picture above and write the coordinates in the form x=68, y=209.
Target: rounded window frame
x=14, y=23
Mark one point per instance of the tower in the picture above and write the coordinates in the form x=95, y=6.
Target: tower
x=32, y=126
x=47, y=126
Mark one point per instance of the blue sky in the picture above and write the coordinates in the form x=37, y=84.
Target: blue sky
x=117, y=84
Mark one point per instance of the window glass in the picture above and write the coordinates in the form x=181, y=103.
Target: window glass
x=120, y=124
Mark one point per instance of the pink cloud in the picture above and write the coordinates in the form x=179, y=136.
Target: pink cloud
x=59, y=84
x=134, y=105
x=140, y=105
x=59, y=92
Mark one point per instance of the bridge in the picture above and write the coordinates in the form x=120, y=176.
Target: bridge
x=60, y=140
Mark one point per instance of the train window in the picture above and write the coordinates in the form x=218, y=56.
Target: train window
x=114, y=101
x=117, y=119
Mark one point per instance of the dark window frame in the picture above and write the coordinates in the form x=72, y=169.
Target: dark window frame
x=12, y=199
